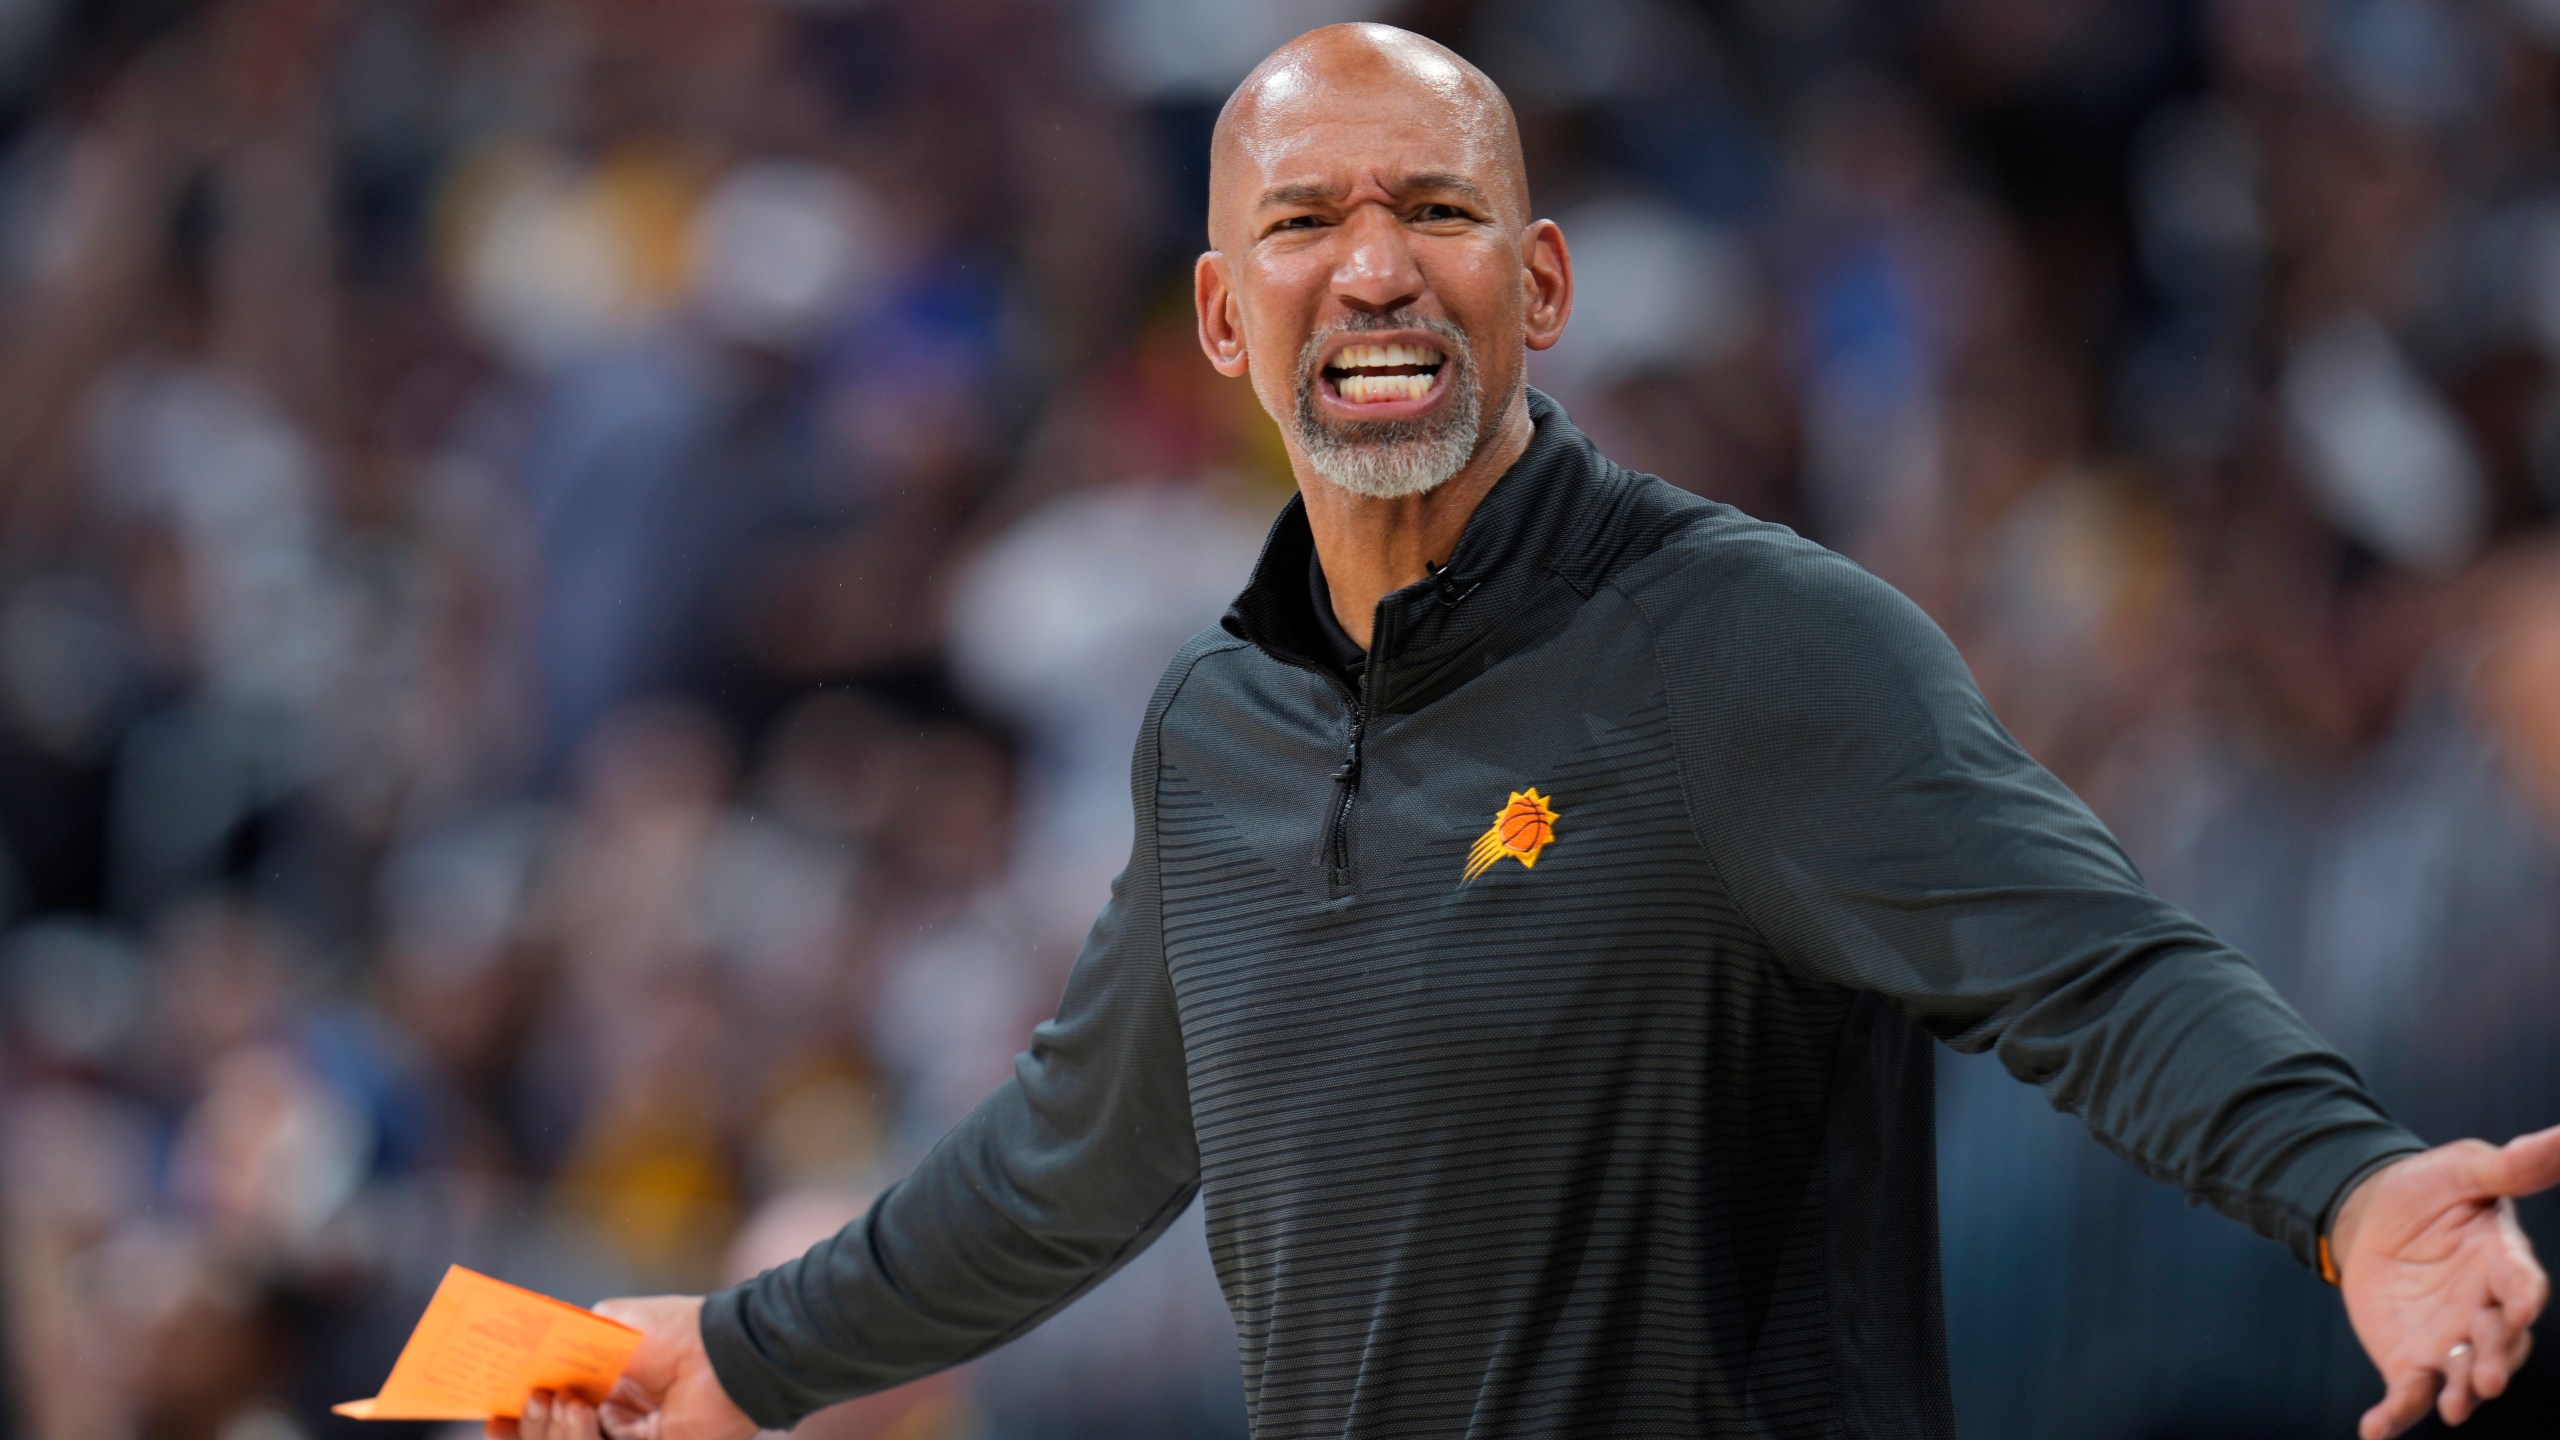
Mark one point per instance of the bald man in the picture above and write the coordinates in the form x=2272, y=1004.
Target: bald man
x=1546, y=887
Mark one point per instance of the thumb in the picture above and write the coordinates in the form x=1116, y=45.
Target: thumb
x=2526, y=1165
x=646, y=1374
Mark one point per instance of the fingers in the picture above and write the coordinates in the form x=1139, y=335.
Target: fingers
x=628, y=1412
x=2518, y=1279
x=621, y=1422
x=2403, y=1405
x=2492, y=1352
x=558, y=1417
x=2455, y=1401
x=2529, y=1164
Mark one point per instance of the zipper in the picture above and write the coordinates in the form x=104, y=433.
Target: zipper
x=1346, y=788
x=1346, y=777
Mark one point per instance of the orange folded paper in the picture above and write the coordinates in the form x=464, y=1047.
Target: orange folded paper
x=484, y=1344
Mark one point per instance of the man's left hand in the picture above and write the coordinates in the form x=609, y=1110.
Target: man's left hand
x=2440, y=1282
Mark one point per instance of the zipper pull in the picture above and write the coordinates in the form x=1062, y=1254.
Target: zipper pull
x=1451, y=589
x=1334, y=852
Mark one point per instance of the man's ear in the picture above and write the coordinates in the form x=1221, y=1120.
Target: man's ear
x=1546, y=273
x=1221, y=328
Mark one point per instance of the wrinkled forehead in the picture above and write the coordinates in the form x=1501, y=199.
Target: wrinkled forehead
x=1298, y=123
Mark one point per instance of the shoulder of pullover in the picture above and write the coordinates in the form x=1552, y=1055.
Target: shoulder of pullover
x=1731, y=590
x=1178, y=671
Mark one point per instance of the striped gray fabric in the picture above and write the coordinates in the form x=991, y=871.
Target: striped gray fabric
x=1630, y=1134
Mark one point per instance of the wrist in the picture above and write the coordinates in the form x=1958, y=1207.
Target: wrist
x=2347, y=1215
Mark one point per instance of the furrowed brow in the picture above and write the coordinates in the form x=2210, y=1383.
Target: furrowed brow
x=1443, y=181
x=1297, y=195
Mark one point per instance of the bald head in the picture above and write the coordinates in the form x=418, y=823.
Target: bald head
x=1350, y=76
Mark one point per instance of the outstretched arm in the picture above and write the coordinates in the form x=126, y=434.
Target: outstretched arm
x=1907, y=846
x=2440, y=1283
x=1057, y=1179
x=1062, y=1175
x=1065, y=1173
x=1883, y=833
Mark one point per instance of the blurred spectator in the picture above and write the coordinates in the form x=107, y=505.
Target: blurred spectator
x=578, y=581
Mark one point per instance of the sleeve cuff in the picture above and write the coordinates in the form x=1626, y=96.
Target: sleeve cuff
x=739, y=1362
x=2321, y=1180
x=2328, y=1260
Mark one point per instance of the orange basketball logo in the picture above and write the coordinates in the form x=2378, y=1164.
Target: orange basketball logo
x=1525, y=826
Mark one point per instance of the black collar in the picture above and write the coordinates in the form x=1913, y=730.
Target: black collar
x=1343, y=654
x=1536, y=545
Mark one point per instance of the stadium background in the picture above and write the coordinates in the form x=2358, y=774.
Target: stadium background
x=576, y=577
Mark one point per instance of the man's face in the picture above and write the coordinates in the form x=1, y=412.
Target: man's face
x=1372, y=260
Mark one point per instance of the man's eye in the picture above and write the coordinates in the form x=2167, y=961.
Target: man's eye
x=1440, y=212
x=1298, y=222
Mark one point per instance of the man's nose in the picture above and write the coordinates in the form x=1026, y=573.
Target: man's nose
x=1378, y=272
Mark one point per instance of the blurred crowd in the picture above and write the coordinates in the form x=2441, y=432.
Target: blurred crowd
x=577, y=578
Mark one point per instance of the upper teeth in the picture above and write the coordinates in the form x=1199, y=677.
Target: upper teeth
x=1365, y=357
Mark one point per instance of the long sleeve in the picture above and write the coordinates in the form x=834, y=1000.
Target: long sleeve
x=1065, y=1173
x=1883, y=832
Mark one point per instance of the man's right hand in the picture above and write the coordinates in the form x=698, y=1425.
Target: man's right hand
x=667, y=1392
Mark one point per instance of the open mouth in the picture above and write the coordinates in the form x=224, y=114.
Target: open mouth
x=1383, y=374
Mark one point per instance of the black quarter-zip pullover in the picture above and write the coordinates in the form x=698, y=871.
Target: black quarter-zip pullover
x=1545, y=1011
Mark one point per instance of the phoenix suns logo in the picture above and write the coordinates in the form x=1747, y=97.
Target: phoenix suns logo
x=1525, y=826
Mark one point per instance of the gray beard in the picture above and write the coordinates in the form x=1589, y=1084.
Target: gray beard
x=1390, y=459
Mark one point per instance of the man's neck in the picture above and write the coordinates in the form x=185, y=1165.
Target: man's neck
x=1370, y=547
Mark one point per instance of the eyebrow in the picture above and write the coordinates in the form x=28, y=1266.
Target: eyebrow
x=1313, y=194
